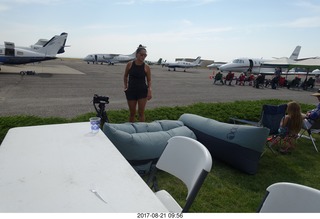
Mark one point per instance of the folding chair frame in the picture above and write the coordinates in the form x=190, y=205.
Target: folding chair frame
x=273, y=124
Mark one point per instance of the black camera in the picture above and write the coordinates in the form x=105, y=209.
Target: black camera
x=99, y=103
x=100, y=99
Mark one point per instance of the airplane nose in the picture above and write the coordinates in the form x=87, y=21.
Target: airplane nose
x=87, y=58
x=221, y=68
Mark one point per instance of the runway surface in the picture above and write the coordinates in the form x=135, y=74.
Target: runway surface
x=65, y=88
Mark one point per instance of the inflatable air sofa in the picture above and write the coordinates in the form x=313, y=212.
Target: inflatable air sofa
x=238, y=145
x=143, y=143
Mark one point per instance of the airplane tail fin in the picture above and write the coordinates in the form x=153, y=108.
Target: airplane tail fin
x=295, y=53
x=54, y=46
x=198, y=60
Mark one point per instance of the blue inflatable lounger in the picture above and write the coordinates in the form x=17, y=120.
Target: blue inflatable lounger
x=238, y=145
x=143, y=143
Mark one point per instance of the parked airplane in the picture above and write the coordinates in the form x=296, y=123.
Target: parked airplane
x=111, y=59
x=159, y=62
x=255, y=65
x=11, y=55
x=183, y=64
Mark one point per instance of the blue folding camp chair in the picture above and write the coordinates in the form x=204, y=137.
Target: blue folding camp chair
x=270, y=118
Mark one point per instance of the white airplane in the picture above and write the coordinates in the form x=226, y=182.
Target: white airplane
x=111, y=59
x=183, y=64
x=159, y=62
x=41, y=51
x=254, y=65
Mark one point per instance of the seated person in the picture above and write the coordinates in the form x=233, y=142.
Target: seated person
x=250, y=79
x=259, y=81
x=267, y=82
x=218, y=77
x=290, y=126
x=229, y=78
x=312, y=115
x=241, y=79
x=294, y=83
x=310, y=82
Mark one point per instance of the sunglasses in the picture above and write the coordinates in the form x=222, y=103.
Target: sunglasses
x=143, y=54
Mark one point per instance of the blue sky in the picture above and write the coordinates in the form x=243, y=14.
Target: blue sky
x=219, y=30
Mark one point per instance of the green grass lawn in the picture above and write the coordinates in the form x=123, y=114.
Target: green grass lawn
x=225, y=189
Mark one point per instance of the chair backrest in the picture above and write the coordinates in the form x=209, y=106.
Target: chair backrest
x=188, y=160
x=271, y=116
x=316, y=124
x=286, y=197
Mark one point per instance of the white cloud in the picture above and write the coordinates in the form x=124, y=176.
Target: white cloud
x=129, y=2
x=305, y=22
x=308, y=6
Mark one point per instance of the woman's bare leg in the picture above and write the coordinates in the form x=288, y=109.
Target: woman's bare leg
x=132, y=108
x=141, y=107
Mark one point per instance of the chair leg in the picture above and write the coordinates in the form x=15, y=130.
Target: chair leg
x=301, y=134
x=269, y=146
x=270, y=143
x=314, y=144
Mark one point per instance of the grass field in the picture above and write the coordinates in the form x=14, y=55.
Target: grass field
x=225, y=189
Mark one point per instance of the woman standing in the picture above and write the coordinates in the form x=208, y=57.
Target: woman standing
x=137, y=84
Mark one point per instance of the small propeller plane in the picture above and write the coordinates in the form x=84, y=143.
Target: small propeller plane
x=183, y=64
x=43, y=50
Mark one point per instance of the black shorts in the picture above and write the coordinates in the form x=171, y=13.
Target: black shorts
x=136, y=94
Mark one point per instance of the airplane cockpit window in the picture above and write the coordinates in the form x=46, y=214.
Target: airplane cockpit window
x=236, y=61
x=19, y=53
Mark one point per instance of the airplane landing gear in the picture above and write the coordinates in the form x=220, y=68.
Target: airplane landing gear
x=27, y=72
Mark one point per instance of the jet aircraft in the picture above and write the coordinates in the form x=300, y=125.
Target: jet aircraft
x=41, y=51
x=111, y=59
x=254, y=65
x=159, y=62
x=183, y=64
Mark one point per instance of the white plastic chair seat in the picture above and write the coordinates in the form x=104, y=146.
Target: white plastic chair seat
x=289, y=198
x=168, y=201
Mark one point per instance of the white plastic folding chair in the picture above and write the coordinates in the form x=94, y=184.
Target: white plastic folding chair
x=287, y=197
x=188, y=160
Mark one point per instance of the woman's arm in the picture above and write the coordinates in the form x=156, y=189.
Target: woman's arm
x=148, y=76
x=126, y=74
x=284, y=121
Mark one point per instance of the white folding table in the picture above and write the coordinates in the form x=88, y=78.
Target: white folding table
x=66, y=168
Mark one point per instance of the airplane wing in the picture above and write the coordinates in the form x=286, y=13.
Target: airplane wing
x=310, y=65
x=216, y=65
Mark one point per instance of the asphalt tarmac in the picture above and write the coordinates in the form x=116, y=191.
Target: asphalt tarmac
x=65, y=88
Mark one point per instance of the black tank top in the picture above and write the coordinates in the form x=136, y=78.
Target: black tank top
x=137, y=77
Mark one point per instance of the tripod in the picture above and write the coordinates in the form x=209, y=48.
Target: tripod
x=101, y=112
x=101, y=109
